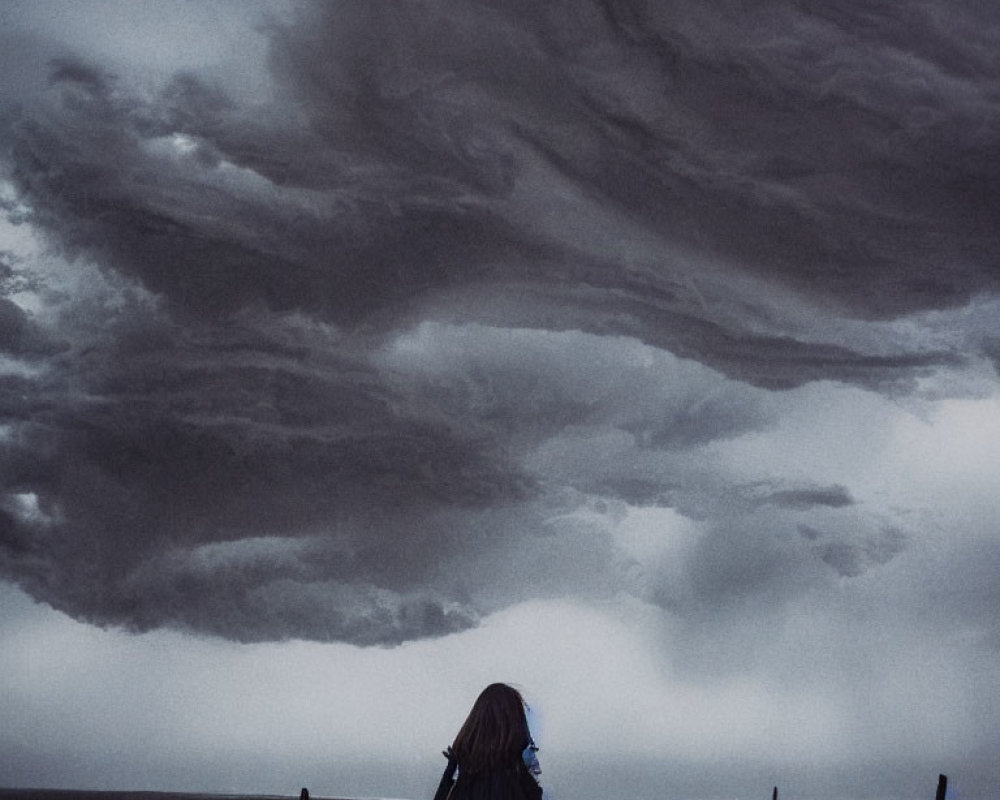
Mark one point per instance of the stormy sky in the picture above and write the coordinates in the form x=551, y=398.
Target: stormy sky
x=641, y=353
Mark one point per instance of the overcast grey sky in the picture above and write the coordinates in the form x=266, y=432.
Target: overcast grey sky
x=641, y=354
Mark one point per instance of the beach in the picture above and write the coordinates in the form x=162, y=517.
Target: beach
x=84, y=794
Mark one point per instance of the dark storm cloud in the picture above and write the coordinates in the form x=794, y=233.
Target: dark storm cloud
x=833, y=496
x=446, y=146
x=450, y=279
x=814, y=148
x=161, y=455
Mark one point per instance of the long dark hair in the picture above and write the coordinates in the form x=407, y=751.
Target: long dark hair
x=494, y=733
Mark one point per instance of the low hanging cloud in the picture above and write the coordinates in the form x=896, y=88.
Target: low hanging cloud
x=394, y=343
x=833, y=496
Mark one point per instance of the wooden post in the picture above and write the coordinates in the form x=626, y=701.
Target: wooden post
x=942, y=787
x=774, y=794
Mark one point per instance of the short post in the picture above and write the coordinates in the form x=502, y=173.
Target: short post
x=774, y=794
x=942, y=787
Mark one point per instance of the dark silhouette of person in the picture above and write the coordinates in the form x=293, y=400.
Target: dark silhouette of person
x=304, y=794
x=493, y=752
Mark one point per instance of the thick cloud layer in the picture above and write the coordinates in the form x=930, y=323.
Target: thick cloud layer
x=400, y=337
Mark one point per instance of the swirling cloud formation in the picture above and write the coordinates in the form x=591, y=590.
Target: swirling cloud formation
x=397, y=328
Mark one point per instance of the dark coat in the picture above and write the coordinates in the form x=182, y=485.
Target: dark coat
x=508, y=782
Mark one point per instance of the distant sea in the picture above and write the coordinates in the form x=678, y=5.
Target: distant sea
x=72, y=794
